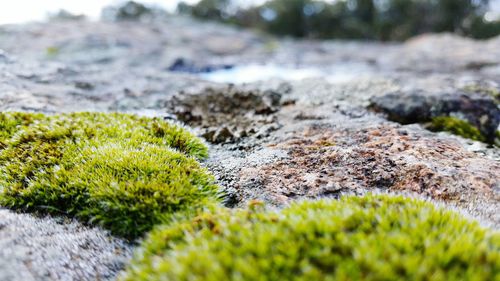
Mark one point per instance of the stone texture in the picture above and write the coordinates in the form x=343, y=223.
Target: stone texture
x=227, y=114
x=479, y=110
x=44, y=248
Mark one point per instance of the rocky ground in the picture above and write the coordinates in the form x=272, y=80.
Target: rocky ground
x=273, y=140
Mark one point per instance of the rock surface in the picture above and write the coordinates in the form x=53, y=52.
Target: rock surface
x=334, y=152
x=33, y=248
x=272, y=140
x=228, y=114
x=481, y=111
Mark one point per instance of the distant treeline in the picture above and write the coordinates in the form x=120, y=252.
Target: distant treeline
x=353, y=19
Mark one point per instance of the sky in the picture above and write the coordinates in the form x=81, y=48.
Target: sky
x=18, y=11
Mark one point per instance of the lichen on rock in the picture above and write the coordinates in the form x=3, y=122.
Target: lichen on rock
x=122, y=172
x=228, y=114
x=322, y=161
x=489, y=90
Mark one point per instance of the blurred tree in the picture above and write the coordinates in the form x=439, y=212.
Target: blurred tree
x=207, y=9
x=132, y=10
x=289, y=19
x=366, y=19
x=479, y=28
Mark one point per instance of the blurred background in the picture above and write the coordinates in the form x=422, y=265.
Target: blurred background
x=137, y=56
x=386, y=20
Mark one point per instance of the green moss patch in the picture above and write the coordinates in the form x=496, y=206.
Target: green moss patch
x=123, y=172
x=356, y=238
x=12, y=122
x=457, y=127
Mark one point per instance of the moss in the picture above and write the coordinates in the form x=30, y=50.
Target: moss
x=122, y=172
x=356, y=238
x=12, y=122
x=52, y=51
x=457, y=127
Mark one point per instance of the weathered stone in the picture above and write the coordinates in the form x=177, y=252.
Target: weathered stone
x=188, y=66
x=84, y=85
x=219, y=45
x=4, y=58
x=327, y=161
x=419, y=107
x=37, y=248
x=222, y=135
x=215, y=110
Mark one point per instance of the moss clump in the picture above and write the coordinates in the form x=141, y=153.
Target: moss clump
x=457, y=127
x=52, y=51
x=122, y=172
x=13, y=122
x=356, y=238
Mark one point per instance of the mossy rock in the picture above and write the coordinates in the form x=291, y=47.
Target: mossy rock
x=457, y=127
x=484, y=90
x=123, y=172
x=357, y=238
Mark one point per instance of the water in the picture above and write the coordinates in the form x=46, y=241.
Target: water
x=255, y=72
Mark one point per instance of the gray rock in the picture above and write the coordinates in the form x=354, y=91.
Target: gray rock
x=4, y=57
x=419, y=107
x=43, y=248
